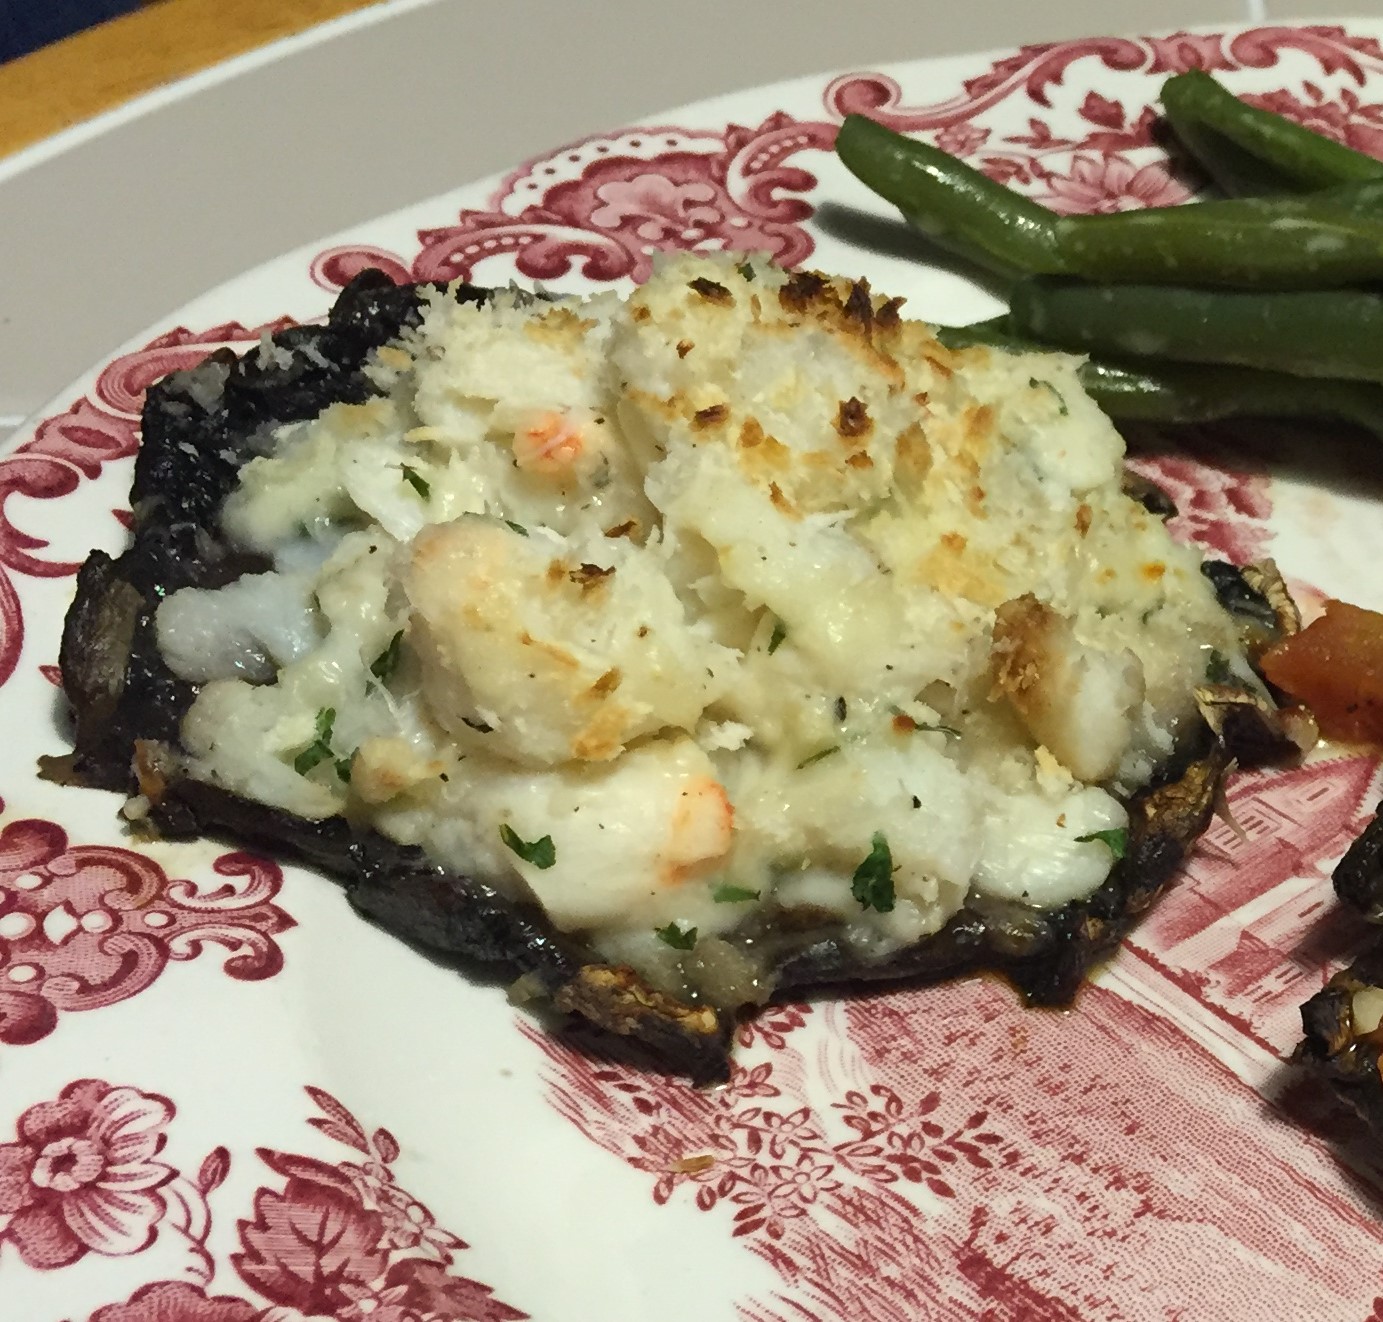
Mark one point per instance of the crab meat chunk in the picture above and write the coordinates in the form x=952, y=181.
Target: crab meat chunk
x=544, y=651
x=1078, y=701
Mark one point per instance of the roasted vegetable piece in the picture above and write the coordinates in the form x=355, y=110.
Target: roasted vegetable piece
x=1342, y=1038
x=1336, y=333
x=1335, y=667
x=1248, y=150
x=1152, y=391
x=951, y=203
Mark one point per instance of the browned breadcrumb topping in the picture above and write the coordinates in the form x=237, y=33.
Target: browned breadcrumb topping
x=712, y=292
x=692, y=1165
x=587, y=577
x=801, y=290
x=887, y=318
x=710, y=417
x=852, y=419
x=1020, y=626
x=859, y=307
x=780, y=502
x=608, y=682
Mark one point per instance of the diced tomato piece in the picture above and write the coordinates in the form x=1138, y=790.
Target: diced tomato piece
x=1335, y=667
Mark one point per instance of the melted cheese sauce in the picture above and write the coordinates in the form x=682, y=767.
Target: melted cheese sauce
x=664, y=611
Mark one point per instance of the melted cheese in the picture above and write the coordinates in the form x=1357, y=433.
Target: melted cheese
x=710, y=588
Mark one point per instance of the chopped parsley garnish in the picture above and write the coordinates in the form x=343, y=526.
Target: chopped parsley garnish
x=417, y=481
x=818, y=756
x=775, y=639
x=343, y=769
x=746, y=271
x=728, y=894
x=872, y=884
x=1217, y=669
x=516, y=527
x=387, y=661
x=1056, y=394
x=541, y=853
x=677, y=937
x=1116, y=839
x=319, y=750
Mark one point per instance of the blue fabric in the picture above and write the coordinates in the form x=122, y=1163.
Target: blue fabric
x=25, y=25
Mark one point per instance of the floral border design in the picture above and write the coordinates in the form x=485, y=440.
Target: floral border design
x=86, y=926
x=336, y=1239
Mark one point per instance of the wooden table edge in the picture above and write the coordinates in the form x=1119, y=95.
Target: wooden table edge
x=108, y=65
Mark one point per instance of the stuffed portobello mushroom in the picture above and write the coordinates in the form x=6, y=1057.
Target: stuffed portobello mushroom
x=675, y=650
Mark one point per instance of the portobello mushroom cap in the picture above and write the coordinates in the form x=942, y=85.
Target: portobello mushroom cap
x=200, y=427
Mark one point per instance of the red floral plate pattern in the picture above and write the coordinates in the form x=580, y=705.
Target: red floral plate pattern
x=184, y=1155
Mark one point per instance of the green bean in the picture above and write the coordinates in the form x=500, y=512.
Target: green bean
x=1308, y=242
x=1315, y=333
x=1288, y=243
x=1248, y=150
x=955, y=206
x=1191, y=392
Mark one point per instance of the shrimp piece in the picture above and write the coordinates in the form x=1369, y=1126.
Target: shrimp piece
x=554, y=443
x=702, y=827
x=627, y=836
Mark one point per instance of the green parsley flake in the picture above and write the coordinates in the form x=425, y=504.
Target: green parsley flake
x=872, y=884
x=516, y=527
x=728, y=894
x=319, y=750
x=676, y=937
x=818, y=757
x=416, y=480
x=775, y=639
x=1217, y=669
x=343, y=768
x=1056, y=394
x=746, y=271
x=387, y=661
x=541, y=853
x=1115, y=839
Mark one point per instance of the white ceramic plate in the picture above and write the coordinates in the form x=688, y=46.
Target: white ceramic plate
x=200, y=1048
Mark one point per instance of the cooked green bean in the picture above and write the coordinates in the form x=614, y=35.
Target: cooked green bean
x=1288, y=243
x=955, y=206
x=1248, y=150
x=1308, y=242
x=1191, y=392
x=1315, y=333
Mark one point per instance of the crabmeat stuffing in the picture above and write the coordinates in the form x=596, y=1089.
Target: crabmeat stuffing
x=735, y=607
